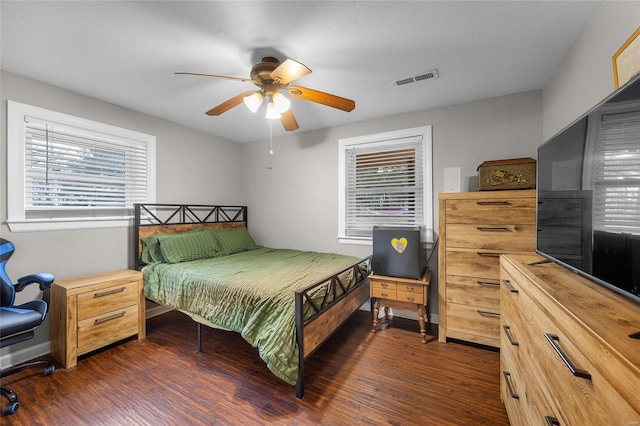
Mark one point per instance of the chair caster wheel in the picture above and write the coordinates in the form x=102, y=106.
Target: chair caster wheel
x=10, y=408
x=49, y=369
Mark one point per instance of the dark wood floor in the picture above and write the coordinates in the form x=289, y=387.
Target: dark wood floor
x=387, y=378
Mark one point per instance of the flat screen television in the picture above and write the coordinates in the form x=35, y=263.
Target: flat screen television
x=588, y=189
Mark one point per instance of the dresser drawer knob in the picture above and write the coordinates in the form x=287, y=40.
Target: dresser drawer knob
x=507, y=331
x=489, y=283
x=554, y=341
x=507, y=379
x=493, y=203
x=509, y=287
x=487, y=313
x=492, y=228
x=487, y=254
x=108, y=292
x=109, y=318
x=552, y=421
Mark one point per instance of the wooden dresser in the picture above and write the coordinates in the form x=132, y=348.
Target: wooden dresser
x=475, y=229
x=91, y=312
x=566, y=356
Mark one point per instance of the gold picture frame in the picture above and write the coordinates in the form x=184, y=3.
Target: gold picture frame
x=626, y=61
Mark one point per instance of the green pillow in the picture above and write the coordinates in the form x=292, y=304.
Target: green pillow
x=151, y=251
x=188, y=246
x=234, y=240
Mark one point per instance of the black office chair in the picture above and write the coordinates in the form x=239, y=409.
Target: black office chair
x=17, y=323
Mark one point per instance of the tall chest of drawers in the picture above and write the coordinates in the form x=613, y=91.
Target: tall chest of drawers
x=475, y=229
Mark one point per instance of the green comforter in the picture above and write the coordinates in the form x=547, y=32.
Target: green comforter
x=251, y=292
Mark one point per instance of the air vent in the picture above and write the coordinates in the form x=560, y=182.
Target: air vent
x=420, y=77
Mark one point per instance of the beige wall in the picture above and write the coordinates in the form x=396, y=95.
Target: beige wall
x=192, y=167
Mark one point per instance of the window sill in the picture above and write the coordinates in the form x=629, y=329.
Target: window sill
x=37, y=225
x=364, y=241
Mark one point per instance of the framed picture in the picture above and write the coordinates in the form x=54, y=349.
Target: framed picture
x=626, y=61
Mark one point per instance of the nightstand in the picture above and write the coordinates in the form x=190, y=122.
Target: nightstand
x=91, y=312
x=400, y=293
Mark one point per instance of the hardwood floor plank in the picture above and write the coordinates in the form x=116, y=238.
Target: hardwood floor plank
x=356, y=378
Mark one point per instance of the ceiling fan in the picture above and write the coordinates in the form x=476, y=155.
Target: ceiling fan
x=272, y=78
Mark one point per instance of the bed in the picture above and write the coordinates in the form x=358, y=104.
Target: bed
x=284, y=302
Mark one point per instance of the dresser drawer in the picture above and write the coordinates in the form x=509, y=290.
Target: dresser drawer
x=474, y=263
x=473, y=291
x=107, y=299
x=494, y=211
x=491, y=236
x=107, y=328
x=474, y=320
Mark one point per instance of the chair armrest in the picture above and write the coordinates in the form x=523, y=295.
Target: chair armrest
x=43, y=279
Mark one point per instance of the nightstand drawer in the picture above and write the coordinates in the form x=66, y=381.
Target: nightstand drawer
x=107, y=328
x=383, y=285
x=411, y=297
x=384, y=293
x=107, y=299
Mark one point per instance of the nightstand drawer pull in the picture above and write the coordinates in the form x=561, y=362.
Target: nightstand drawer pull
x=492, y=228
x=491, y=314
x=384, y=295
x=410, y=299
x=109, y=318
x=507, y=331
x=410, y=288
x=488, y=283
x=511, y=288
x=108, y=292
x=384, y=285
x=554, y=341
x=507, y=379
x=552, y=421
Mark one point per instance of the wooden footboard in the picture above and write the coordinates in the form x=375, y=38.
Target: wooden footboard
x=341, y=297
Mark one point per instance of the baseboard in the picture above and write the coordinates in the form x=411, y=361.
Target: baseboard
x=25, y=354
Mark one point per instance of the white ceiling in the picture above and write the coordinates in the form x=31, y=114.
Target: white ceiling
x=126, y=53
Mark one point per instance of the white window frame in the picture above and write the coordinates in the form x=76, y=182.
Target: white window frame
x=386, y=139
x=16, y=131
x=593, y=141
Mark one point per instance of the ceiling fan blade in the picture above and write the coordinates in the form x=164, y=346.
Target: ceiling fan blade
x=288, y=120
x=214, y=76
x=322, y=98
x=288, y=71
x=228, y=104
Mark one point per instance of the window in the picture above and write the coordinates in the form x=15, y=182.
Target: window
x=614, y=134
x=66, y=172
x=384, y=179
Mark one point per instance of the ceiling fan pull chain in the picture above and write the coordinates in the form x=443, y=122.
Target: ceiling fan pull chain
x=270, y=143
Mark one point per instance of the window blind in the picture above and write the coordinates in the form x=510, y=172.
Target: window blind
x=75, y=172
x=384, y=186
x=617, y=175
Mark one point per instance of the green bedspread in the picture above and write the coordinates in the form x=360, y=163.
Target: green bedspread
x=251, y=292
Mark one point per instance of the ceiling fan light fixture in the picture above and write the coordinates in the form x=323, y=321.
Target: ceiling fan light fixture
x=280, y=102
x=272, y=112
x=253, y=101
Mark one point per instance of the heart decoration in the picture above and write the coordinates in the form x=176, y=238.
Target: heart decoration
x=399, y=244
